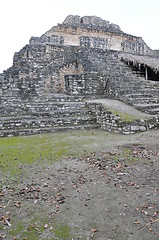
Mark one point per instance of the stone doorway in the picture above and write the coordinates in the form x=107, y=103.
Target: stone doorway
x=75, y=84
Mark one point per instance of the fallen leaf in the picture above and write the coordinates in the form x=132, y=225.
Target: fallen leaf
x=136, y=222
x=8, y=223
x=155, y=213
x=17, y=204
x=146, y=213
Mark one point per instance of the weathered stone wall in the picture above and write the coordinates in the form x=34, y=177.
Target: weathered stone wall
x=113, y=41
x=93, y=42
x=54, y=40
x=92, y=32
x=89, y=22
x=39, y=69
x=156, y=53
x=113, y=123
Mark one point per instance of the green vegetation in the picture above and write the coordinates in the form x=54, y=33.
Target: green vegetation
x=128, y=156
x=62, y=232
x=17, y=151
x=29, y=231
x=19, y=227
x=36, y=226
x=1, y=226
x=123, y=116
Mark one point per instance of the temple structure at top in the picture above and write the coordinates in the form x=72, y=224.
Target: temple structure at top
x=91, y=31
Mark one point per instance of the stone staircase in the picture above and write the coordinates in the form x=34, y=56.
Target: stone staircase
x=131, y=87
x=122, y=83
x=143, y=94
x=48, y=113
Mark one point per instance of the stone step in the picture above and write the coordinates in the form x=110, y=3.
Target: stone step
x=147, y=106
x=123, y=78
x=62, y=112
x=154, y=111
x=132, y=87
x=49, y=114
x=46, y=114
x=37, y=107
x=59, y=98
x=63, y=98
x=142, y=91
x=140, y=83
x=137, y=96
x=54, y=105
x=24, y=132
x=138, y=90
x=46, y=122
x=144, y=100
x=8, y=124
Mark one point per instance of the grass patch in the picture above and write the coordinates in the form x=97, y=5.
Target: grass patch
x=18, y=151
x=123, y=116
x=29, y=231
x=62, y=232
x=30, y=234
x=1, y=227
x=17, y=229
x=128, y=156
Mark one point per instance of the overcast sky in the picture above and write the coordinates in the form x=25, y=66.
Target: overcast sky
x=21, y=19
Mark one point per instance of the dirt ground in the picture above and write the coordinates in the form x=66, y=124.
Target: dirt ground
x=110, y=193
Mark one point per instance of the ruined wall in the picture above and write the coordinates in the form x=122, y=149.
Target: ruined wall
x=54, y=40
x=41, y=69
x=94, y=32
x=70, y=36
x=113, y=123
x=156, y=53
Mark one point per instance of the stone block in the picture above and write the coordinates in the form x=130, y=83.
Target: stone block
x=143, y=128
x=135, y=128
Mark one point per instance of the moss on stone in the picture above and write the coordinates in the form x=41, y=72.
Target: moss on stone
x=123, y=116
